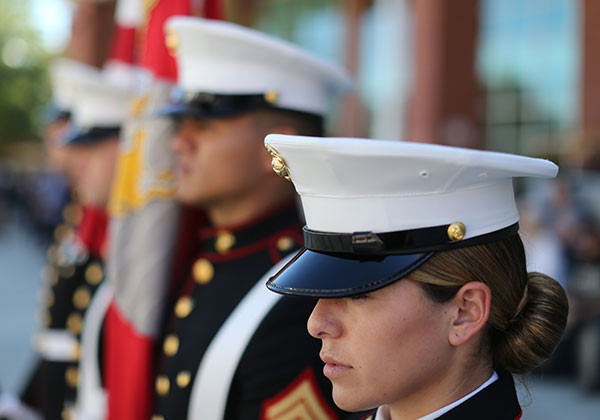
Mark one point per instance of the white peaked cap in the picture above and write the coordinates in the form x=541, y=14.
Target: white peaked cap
x=376, y=210
x=351, y=185
x=64, y=72
x=103, y=98
x=224, y=58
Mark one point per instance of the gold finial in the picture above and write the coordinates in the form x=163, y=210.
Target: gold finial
x=278, y=164
x=457, y=231
x=171, y=41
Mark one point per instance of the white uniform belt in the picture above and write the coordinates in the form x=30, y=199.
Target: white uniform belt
x=57, y=345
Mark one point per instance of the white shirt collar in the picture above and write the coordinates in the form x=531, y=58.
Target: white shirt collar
x=437, y=413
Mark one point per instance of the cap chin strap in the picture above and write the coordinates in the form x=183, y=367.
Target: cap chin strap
x=413, y=241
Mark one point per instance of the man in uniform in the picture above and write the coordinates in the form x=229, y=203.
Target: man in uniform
x=99, y=105
x=228, y=350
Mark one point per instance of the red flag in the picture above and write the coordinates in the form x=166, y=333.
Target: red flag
x=145, y=220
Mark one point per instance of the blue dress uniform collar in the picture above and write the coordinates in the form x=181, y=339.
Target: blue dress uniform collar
x=230, y=242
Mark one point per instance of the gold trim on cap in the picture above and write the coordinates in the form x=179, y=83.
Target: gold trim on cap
x=203, y=271
x=457, y=231
x=171, y=345
x=162, y=385
x=94, y=273
x=183, y=379
x=184, y=306
x=225, y=240
x=278, y=163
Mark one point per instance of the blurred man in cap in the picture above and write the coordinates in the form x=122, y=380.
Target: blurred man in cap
x=75, y=294
x=229, y=350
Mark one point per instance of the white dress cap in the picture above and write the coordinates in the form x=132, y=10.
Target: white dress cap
x=355, y=185
x=64, y=72
x=223, y=58
x=377, y=210
x=103, y=98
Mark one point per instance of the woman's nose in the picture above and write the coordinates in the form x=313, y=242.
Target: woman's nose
x=322, y=321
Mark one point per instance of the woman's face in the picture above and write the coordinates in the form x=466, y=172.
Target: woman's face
x=387, y=347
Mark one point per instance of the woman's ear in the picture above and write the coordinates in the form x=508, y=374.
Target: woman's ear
x=472, y=304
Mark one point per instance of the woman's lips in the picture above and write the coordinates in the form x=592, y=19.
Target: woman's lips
x=333, y=368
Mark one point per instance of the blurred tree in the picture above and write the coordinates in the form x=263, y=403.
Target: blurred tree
x=24, y=87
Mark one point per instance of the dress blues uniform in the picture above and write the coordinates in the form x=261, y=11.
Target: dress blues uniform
x=99, y=103
x=229, y=351
x=402, y=202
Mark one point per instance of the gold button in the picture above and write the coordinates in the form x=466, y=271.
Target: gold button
x=49, y=275
x=94, y=273
x=72, y=376
x=47, y=319
x=72, y=214
x=171, y=345
x=62, y=231
x=157, y=417
x=457, y=231
x=162, y=385
x=52, y=253
x=50, y=298
x=225, y=240
x=81, y=298
x=203, y=271
x=66, y=414
x=183, y=379
x=285, y=243
x=75, y=323
x=77, y=352
x=184, y=306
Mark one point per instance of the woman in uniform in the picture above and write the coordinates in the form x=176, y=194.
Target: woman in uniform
x=426, y=309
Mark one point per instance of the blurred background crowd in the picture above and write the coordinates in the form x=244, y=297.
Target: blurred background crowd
x=505, y=75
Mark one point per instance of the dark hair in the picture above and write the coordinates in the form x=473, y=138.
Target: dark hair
x=528, y=312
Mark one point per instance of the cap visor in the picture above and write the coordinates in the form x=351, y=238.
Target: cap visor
x=322, y=275
x=94, y=135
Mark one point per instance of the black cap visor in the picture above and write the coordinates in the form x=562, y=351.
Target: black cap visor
x=323, y=275
x=79, y=136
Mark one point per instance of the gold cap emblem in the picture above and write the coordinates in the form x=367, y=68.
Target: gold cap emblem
x=457, y=231
x=271, y=96
x=278, y=164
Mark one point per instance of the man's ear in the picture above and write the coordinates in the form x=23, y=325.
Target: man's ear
x=472, y=311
